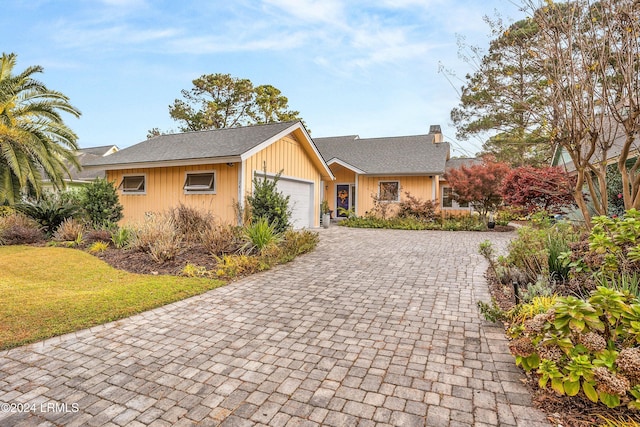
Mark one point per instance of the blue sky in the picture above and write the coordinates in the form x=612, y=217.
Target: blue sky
x=349, y=66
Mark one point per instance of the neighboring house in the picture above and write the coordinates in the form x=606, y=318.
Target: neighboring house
x=79, y=177
x=90, y=155
x=563, y=159
x=214, y=170
x=386, y=168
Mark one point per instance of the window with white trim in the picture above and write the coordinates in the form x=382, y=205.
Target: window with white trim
x=200, y=182
x=448, y=199
x=389, y=191
x=133, y=184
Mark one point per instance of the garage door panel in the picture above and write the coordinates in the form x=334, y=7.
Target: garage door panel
x=300, y=200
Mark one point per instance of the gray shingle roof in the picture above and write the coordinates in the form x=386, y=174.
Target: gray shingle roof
x=228, y=142
x=416, y=154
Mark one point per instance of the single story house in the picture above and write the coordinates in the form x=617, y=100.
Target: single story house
x=214, y=170
x=387, y=169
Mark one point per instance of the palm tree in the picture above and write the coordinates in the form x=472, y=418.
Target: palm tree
x=34, y=141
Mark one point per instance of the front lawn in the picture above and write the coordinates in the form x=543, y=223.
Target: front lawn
x=49, y=291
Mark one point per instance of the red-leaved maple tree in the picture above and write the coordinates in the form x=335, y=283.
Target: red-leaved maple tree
x=479, y=184
x=550, y=188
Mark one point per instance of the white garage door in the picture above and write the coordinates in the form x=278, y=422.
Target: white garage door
x=300, y=201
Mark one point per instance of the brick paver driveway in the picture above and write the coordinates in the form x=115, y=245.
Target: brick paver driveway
x=376, y=327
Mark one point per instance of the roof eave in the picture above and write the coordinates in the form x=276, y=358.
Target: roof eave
x=165, y=163
x=344, y=164
x=420, y=173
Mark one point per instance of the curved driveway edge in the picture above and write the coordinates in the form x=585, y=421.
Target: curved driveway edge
x=374, y=328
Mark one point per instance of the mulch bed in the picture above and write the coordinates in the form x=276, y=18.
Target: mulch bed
x=142, y=263
x=501, y=228
x=574, y=411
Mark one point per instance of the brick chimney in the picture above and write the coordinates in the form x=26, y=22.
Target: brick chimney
x=436, y=132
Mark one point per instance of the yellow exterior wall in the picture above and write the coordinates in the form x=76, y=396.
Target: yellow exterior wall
x=165, y=190
x=418, y=186
x=289, y=156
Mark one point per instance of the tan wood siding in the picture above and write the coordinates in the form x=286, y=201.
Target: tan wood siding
x=164, y=190
x=286, y=155
x=418, y=186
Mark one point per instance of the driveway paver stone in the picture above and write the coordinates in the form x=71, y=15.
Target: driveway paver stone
x=375, y=327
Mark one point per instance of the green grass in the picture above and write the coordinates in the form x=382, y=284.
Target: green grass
x=49, y=291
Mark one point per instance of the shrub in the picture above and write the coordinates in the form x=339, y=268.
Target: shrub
x=260, y=235
x=617, y=241
x=528, y=254
x=18, y=229
x=296, y=243
x=6, y=211
x=220, y=239
x=98, y=247
x=121, y=237
x=381, y=208
x=49, y=211
x=542, y=288
x=539, y=253
x=465, y=223
x=191, y=223
x=413, y=207
x=71, y=230
x=99, y=200
x=192, y=270
x=492, y=312
x=234, y=265
x=157, y=236
x=548, y=188
x=584, y=346
x=624, y=282
x=269, y=203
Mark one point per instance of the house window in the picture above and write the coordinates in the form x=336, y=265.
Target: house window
x=389, y=191
x=133, y=184
x=448, y=199
x=200, y=182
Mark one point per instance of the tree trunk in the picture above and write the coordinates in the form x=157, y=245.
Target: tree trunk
x=579, y=196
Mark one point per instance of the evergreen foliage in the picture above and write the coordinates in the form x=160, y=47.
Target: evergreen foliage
x=100, y=202
x=269, y=203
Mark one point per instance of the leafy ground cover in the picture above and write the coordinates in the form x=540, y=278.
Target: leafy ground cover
x=464, y=223
x=570, y=302
x=48, y=291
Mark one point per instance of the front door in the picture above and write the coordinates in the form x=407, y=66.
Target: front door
x=344, y=200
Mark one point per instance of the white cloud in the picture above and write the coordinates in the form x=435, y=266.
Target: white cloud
x=215, y=43
x=311, y=10
x=108, y=36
